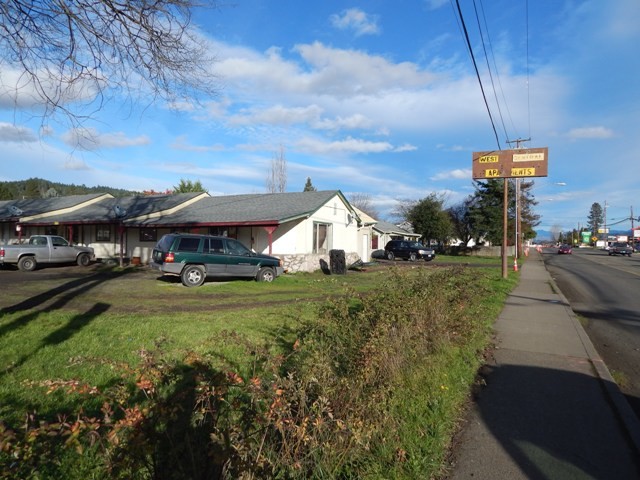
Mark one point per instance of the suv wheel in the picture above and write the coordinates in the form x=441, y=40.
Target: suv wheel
x=266, y=274
x=390, y=256
x=192, y=276
x=412, y=257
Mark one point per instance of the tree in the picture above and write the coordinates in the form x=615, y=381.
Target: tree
x=595, y=220
x=187, y=186
x=71, y=53
x=5, y=192
x=363, y=202
x=277, y=178
x=430, y=220
x=33, y=188
x=486, y=211
x=462, y=222
x=308, y=187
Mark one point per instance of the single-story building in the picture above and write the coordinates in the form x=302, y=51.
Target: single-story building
x=385, y=231
x=299, y=227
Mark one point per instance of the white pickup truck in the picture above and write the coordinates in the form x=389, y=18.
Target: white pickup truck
x=45, y=249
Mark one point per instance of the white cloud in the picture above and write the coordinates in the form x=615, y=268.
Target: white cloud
x=181, y=143
x=435, y=4
x=18, y=89
x=350, y=145
x=355, y=19
x=342, y=89
x=590, y=132
x=406, y=148
x=457, y=174
x=76, y=164
x=91, y=139
x=279, y=115
x=340, y=72
x=352, y=122
x=14, y=133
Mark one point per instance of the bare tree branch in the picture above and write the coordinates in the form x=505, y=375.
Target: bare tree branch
x=277, y=178
x=65, y=55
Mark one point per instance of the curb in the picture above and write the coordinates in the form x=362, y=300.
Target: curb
x=626, y=415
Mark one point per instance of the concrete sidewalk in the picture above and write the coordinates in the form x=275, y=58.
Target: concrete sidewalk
x=550, y=409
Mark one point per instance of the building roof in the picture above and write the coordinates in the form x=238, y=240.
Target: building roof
x=256, y=209
x=197, y=208
x=365, y=217
x=14, y=209
x=109, y=209
x=391, y=229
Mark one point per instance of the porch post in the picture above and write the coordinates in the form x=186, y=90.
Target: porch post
x=270, y=231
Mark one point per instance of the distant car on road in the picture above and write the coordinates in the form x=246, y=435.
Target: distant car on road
x=620, y=248
x=565, y=250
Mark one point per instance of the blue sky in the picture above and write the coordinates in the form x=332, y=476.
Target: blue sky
x=376, y=98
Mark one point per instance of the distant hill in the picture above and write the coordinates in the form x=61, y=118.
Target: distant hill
x=40, y=188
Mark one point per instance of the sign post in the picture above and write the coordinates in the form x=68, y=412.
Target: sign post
x=518, y=163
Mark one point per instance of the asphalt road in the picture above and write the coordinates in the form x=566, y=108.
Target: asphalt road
x=605, y=292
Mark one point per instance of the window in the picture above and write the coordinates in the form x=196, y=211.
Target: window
x=236, y=248
x=188, y=245
x=148, y=234
x=59, y=242
x=103, y=233
x=215, y=245
x=321, y=237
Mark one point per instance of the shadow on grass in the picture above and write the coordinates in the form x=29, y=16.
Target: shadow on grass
x=60, y=335
x=67, y=291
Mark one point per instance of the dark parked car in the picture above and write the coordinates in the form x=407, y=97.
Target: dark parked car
x=196, y=257
x=564, y=249
x=408, y=250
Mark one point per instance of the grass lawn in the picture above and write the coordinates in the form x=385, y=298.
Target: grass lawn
x=73, y=329
x=84, y=326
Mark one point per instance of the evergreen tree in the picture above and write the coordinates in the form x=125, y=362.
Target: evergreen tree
x=486, y=211
x=5, y=192
x=462, y=222
x=187, y=186
x=308, y=187
x=595, y=220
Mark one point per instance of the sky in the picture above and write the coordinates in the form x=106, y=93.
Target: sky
x=374, y=98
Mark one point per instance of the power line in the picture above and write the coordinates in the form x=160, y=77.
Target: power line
x=475, y=66
x=486, y=56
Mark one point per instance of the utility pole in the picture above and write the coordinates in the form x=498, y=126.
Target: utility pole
x=633, y=233
x=518, y=219
x=606, y=232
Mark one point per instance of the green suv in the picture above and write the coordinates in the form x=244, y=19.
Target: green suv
x=196, y=257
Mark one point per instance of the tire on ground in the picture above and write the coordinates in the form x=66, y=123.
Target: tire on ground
x=27, y=264
x=266, y=274
x=192, y=276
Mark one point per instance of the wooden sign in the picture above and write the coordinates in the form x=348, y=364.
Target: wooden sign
x=519, y=163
